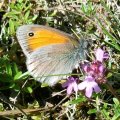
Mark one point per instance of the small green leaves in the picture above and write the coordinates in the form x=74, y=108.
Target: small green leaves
x=78, y=100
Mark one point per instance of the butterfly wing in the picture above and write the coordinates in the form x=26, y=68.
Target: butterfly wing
x=33, y=37
x=50, y=52
x=47, y=64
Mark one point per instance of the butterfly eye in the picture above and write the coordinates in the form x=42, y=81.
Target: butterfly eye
x=31, y=34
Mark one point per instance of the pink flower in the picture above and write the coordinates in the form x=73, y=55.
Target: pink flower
x=71, y=85
x=89, y=85
x=94, y=68
x=98, y=68
x=94, y=72
x=101, y=55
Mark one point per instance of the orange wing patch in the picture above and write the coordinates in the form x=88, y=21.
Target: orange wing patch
x=44, y=37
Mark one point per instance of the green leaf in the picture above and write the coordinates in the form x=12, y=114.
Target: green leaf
x=17, y=76
x=27, y=7
x=106, y=114
x=116, y=101
x=34, y=17
x=15, y=68
x=105, y=105
x=27, y=15
x=24, y=75
x=91, y=111
x=8, y=69
x=44, y=85
x=11, y=27
x=12, y=85
x=20, y=1
x=16, y=87
x=11, y=14
x=30, y=90
x=116, y=117
x=78, y=100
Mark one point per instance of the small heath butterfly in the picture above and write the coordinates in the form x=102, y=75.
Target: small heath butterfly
x=49, y=52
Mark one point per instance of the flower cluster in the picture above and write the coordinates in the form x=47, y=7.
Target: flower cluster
x=94, y=74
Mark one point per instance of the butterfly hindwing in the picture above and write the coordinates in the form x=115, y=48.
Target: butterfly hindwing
x=49, y=63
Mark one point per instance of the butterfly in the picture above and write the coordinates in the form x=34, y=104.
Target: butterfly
x=49, y=52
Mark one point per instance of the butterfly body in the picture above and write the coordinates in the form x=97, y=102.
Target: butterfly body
x=50, y=52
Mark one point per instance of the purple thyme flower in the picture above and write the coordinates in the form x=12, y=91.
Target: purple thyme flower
x=94, y=69
x=94, y=72
x=101, y=55
x=71, y=85
x=89, y=85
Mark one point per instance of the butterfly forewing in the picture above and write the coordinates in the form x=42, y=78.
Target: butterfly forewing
x=33, y=37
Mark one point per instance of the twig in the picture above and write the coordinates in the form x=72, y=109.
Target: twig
x=27, y=111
